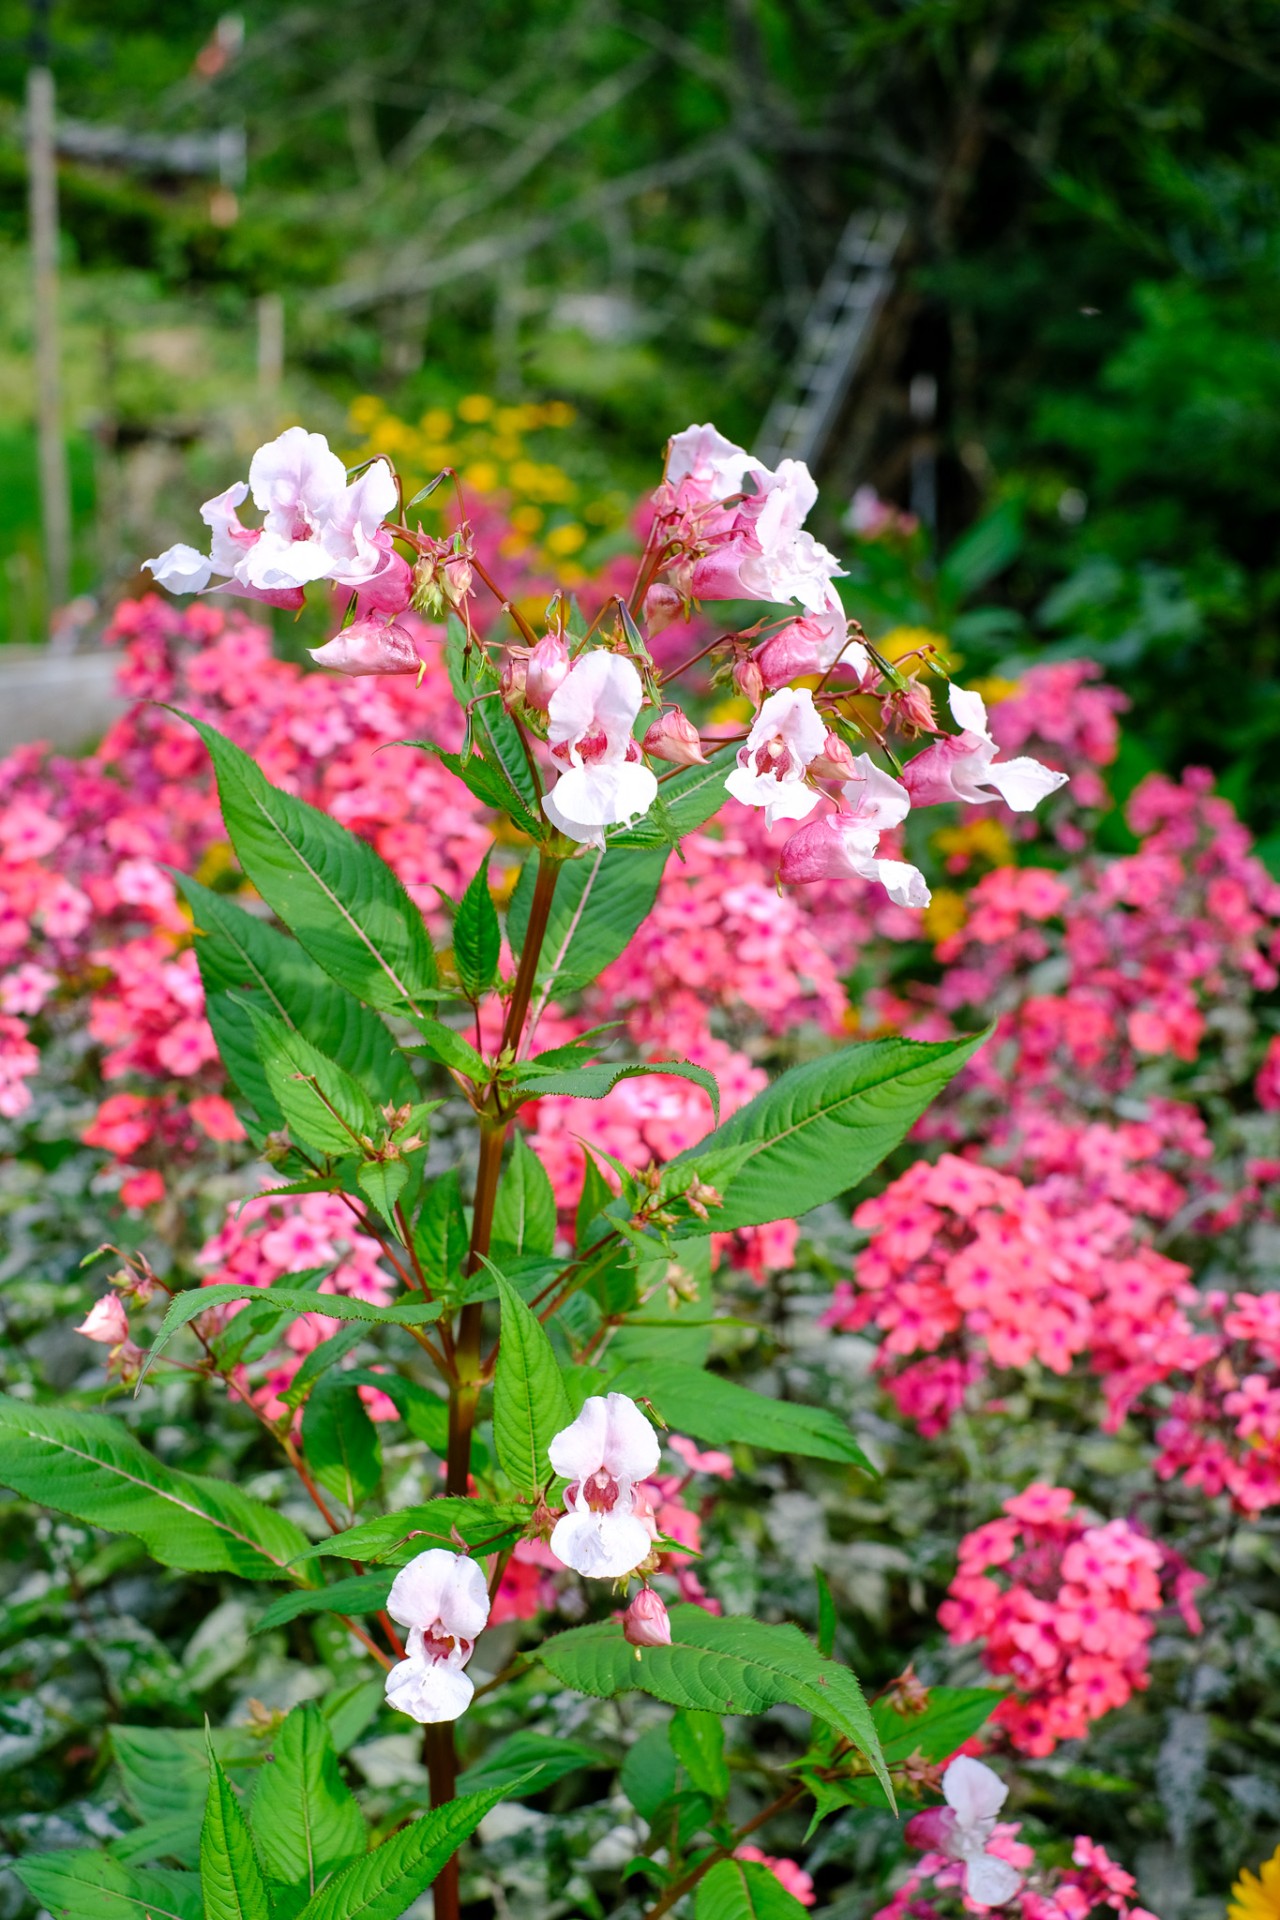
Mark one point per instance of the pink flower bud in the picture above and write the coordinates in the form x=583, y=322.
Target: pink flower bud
x=369, y=646
x=749, y=681
x=455, y=579
x=126, y=1362
x=513, y=683
x=662, y=605
x=548, y=666
x=911, y=708
x=645, y=1622
x=835, y=762
x=674, y=738
x=106, y=1322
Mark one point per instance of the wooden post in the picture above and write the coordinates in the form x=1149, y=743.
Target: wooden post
x=55, y=493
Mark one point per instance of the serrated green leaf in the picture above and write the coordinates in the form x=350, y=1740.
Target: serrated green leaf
x=389, y=1880
x=231, y=1879
x=535, y=1759
x=323, y=1106
x=340, y=1441
x=524, y=1215
x=648, y=1775
x=92, y=1885
x=744, y=1890
x=440, y=1232
x=689, y=799
x=595, y=1081
x=361, y=1593
x=599, y=901
x=530, y=1405
x=448, y=1046
x=721, y=1666
x=382, y=1182
x=593, y=1202
x=697, y=1740
x=91, y=1467
x=397, y=1537
x=826, y=1614
x=951, y=1716
x=305, y=1817
x=344, y=903
x=494, y=730
x=477, y=937
x=822, y=1127
x=489, y=785
x=720, y=1412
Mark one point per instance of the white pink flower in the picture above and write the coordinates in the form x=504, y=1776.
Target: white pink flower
x=964, y=766
x=843, y=845
x=813, y=643
x=443, y=1599
x=787, y=735
x=674, y=737
x=369, y=646
x=106, y=1322
x=590, y=717
x=605, y=1454
x=962, y=1831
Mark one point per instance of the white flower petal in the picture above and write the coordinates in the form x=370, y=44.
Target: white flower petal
x=1023, y=783
x=875, y=796
x=968, y=710
x=601, y=1546
x=704, y=453
x=273, y=562
x=990, y=1881
x=586, y=800
x=631, y=1449
x=181, y=569
x=429, y=1690
x=973, y=1791
x=905, y=885
x=439, y=1588
x=295, y=473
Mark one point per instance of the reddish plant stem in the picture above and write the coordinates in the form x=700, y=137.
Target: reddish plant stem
x=508, y=606
x=442, y=1770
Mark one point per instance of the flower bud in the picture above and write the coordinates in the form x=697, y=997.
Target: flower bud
x=662, y=605
x=835, y=762
x=749, y=681
x=548, y=664
x=674, y=737
x=455, y=580
x=106, y=1322
x=646, y=1622
x=369, y=646
x=513, y=682
x=910, y=708
x=126, y=1362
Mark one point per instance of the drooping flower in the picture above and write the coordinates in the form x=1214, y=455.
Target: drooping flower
x=443, y=1599
x=811, y=644
x=607, y=1451
x=963, y=1829
x=547, y=669
x=106, y=1322
x=646, y=1622
x=369, y=646
x=674, y=737
x=787, y=734
x=590, y=716
x=843, y=845
x=964, y=766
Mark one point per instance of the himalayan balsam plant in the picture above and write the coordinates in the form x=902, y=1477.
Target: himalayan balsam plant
x=380, y=1079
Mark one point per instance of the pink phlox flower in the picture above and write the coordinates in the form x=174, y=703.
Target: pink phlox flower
x=604, y=1454
x=590, y=718
x=443, y=1599
x=788, y=1873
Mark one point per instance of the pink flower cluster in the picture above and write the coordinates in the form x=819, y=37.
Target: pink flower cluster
x=1065, y=1608
x=1222, y=1429
x=1093, y=1881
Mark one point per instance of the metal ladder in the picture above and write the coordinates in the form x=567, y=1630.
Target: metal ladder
x=805, y=410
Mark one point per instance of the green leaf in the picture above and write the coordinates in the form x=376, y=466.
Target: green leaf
x=440, y=1232
x=231, y=1879
x=593, y=1203
x=536, y=1759
x=744, y=1890
x=722, y=1666
x=322, y=1105
x=382, y=1182
x=343, y=902
x=530, y=1405
x=689, y=799
x=397, y=1537
x=238, y=951
x=648, y=1774
x=595, y=1081
x=361, y=1593
x=388, y=1880
x=340, y=1441
x=91, y=1467
x=824, y=1126
x=826, y=1614
x=524, y=1216
x=952, y=1716
x=91, y=1885
x=489, y=785
x=447, y=1045
x=599, y=901
x=305, y=1817
x=164, y=1776
x=720, y=1413
x=193, y=1301
x=494, y=730
x=477, y=937
x=697, y=1740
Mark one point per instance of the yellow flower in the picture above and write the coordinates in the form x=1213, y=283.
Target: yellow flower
x=944, y=915
x=436, y=423
x=476, y=407
x=482, y=475
x=1254, y=1897
x=566, y=539
x=980, y=839
x=527, y=519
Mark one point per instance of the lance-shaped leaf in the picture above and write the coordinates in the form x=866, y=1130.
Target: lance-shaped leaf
x=323, y=1106
x=951, y=1716
x=745, y=1890
x=231, y=1877
x=347, y=907
x=599, y=901
x=524, y=1216
x=530, y=1405
x=360, y=1593
x=602, y=1076
x=387, y=1881
x=398, y=1537
x=340, y=1441
x=477, y=937
x=475, y=686
x=720, y=1666
x=689, y=798
x=92, y=1885
x=720, y=1413
x=489, y=783
x=824, y=1126
x=91, y=1467
x=193, y=1301
x=305, y=1817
